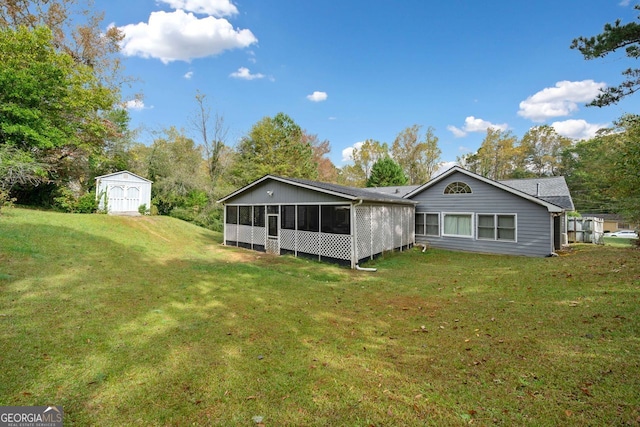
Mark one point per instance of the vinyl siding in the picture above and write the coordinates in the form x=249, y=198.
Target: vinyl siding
x=534, y=226
x=282, y=194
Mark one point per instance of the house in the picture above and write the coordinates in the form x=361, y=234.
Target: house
x=319, y=220
x=461, y=210
x=122, y=193
x=457, y=210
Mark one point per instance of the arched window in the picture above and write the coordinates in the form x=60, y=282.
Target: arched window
x=457, y=188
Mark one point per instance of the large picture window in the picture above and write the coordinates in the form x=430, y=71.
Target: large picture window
x=497, y=227
x=336, y=219
x=308, y=218
x=458, y=224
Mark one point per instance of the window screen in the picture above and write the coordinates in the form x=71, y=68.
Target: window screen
x=336, y=219
x=308, y=218
x=288, y=217
x=232, y=214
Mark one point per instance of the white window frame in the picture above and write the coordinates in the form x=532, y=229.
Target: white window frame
x=495, y=227
x=471, y=215
x=424, y=217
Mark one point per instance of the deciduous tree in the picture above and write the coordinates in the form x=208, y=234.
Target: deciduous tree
x=419, y=159
x=275, y=145
x=542, y=148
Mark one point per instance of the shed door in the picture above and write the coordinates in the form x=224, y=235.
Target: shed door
x=123, y=198
x=116, y=201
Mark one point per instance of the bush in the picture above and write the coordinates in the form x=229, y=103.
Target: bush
x=5, y=199
x=66, y=201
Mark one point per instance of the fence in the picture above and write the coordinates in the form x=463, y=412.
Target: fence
x=585, y=230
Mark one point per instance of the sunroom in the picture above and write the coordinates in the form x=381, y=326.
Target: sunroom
x=317, y=220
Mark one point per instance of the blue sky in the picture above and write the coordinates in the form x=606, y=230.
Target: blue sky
x=352, y=70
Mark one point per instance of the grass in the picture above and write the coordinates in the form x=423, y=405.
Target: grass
x=150, y=321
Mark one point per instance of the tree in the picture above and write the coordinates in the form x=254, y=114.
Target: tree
x=497, y=156
x=364, y=157
x=614, y=37
x=587, y=170
x=177, y=169
x=275, y=145
x=625, y=175
x=418, y=159
x=542, y=148
x=327, y=172
x=76, y=29
x=213, y=133
x=386, y=172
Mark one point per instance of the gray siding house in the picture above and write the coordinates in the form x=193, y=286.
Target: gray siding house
x=319, y=220
x=460, y=210
x=457, y=210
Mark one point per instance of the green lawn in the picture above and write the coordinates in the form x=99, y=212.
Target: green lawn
x=150, y=321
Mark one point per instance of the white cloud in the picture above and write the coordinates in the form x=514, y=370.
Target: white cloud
x=560, y=100
x=134, y=104
x=317, y=96
x=347, y=153
x=457, y=132
x=244, y=74
x=206, y=7
x=578, y=129
x=472, y=124
x=625, y=3
x=188, y=75
x=181, y=36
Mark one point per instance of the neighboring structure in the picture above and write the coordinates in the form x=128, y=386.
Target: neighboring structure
x=457, y=210
x=123, y=193
x=461, y=210
x=613, y=222
x=318, y=220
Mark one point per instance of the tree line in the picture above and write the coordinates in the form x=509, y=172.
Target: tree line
x=63, y=122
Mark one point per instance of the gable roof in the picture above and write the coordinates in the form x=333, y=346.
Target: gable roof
x=349, y=193
x=552, y=189
x=122, y=172
x=551, y=207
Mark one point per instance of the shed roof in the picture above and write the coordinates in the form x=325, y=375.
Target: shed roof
x=551, y=206
x=349, y=193
x=109, y=175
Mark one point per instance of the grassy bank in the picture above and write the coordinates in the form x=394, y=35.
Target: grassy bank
x=150, y=321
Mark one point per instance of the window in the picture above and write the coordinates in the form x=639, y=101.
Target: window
x=427, y=224
x=420, y=224
x=258, y=216
x=486, y=227
x=433, y=224
x=336, y=219
x=244, y=215
x=308, y=218
x=288, y=217
x=459, y=225
x=507, y=227
x=273, y=209
x=497, y=227
x=232, y=214
x=457, y=188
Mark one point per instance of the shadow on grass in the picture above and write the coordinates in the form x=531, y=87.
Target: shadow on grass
x=126, y=333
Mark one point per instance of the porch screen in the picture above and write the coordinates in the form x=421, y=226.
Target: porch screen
x=336, y=219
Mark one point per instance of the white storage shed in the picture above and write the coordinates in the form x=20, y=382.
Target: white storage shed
x=123, y=193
